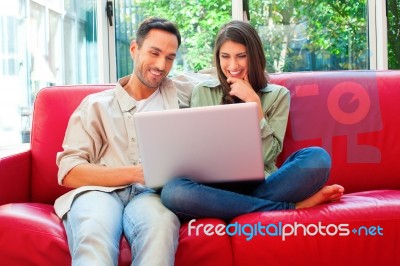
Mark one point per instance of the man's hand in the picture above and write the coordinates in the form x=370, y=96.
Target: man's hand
x=137, y=174
x=97, y=175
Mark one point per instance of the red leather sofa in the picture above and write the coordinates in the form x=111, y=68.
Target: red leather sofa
x=352, y=114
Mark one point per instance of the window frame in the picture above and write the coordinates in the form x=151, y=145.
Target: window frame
x=377, y=31
x=377, y=24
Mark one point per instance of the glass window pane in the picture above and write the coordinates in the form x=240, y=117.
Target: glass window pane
x=55, y=55
x=47, y=42
x=69, y=5
x=12, y=88
x=312, y=35
x=198, y=22
x=70, y=71
x=41, y=74
x=393, y=25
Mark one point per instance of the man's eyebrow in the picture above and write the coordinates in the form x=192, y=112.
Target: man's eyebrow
x=159, y=50
x=155, y=48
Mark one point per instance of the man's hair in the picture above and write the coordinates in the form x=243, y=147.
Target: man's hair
x=243, y=33
x=156, y=23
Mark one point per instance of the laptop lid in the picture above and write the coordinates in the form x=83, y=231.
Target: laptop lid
x=210, y=144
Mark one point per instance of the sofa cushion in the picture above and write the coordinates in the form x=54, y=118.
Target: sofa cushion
x=15, y=176
x=205, y=248
x=351, y=114
x=52, y=110
x=37, y=229
x=360, y=229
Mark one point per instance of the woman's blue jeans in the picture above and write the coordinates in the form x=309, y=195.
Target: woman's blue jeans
x=301, y=175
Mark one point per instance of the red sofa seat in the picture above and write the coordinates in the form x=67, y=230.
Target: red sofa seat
x=352, y=114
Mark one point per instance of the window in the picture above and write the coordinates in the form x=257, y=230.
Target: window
x=312, y=35
x=13, y=93
x=393, y=33
x=198, y=22
x=45, y=44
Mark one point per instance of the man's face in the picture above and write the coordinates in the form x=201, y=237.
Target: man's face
x=154, y=59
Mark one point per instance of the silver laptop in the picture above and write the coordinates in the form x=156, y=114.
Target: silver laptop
x=211, y=144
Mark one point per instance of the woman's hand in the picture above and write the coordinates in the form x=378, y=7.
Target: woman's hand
x=242, y=89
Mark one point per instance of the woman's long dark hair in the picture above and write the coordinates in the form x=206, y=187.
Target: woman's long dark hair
x=243, y=33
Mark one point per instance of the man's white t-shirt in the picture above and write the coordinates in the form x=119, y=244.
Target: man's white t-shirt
x=154, y=102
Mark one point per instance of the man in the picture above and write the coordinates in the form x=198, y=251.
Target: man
x=101, y=162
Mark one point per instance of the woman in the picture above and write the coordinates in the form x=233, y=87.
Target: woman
x=299, y=183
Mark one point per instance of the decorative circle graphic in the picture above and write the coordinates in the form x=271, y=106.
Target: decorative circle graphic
x=359, y=96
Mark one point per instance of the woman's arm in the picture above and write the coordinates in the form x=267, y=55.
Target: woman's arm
x=276, y=104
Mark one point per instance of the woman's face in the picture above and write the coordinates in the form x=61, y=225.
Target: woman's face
x=233, y=59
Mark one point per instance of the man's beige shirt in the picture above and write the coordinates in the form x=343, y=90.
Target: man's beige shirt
x=101, y=130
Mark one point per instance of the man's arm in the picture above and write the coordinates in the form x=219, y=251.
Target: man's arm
x=96, y=175
x=86, y=159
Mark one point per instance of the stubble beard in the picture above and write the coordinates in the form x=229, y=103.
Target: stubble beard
x=147, y=83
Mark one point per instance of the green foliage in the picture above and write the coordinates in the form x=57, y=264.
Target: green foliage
x=297, y=35
x=198, y=22
x=393, y=14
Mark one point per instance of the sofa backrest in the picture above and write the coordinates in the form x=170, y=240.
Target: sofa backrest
x=354, y=116
x=52, y=110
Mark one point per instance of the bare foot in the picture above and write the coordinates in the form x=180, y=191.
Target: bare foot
x=324, y=195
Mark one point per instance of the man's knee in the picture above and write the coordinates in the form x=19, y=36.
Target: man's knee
x=149, y=210
x=146, y=218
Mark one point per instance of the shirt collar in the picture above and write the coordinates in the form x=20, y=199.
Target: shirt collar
x=267, y=89
x=127, y=103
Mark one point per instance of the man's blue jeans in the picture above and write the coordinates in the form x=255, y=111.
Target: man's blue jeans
x=301, y=175
x=97, y=220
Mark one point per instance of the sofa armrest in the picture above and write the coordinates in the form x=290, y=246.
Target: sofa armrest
x=15, y=165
